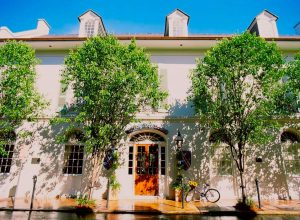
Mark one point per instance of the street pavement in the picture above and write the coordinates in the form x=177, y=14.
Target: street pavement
x=157, y=206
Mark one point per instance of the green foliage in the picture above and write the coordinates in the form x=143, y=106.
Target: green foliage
x=84, y=201
x=111, y=83
x=245, y=206
x=114, y=183
x=235, y=89
x=116, y=162
x=19, y=99
x=288, y=100
x=179, y=185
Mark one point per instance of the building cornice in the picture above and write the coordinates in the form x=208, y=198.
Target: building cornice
x=147, y=37
x=152, y=42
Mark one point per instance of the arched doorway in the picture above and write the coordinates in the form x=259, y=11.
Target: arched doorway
x=147, y=162
x=289, y=161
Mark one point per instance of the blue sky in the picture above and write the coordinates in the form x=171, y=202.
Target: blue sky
x=148, y=16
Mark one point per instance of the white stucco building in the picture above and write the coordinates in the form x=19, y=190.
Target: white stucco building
x=61, y=169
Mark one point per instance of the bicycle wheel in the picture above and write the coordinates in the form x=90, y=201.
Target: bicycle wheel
x=189, y=195
x=212, y=195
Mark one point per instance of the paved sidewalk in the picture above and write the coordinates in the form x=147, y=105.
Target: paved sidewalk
x=157, y=206
x=274, y=207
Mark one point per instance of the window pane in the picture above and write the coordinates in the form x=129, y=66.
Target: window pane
x=75, y=162
x=130, y=149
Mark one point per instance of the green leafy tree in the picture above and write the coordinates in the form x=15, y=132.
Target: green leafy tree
x=289, y=100
x=19, y=99
x=111, y=82
x=235, y=89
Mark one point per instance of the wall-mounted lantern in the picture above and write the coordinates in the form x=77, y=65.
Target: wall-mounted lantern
x=179, y=141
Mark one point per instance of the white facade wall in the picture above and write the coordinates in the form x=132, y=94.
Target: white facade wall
x=176, y=66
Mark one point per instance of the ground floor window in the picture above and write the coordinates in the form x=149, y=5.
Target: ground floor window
x=220, y=153
x=130, y=160
x=291, y=151
x=162, y=160
x=223, y=166
x=73, y=159
x=6, y=160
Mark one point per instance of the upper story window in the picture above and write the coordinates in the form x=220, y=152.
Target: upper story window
x=89, y=28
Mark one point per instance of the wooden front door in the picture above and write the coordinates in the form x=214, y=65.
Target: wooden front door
x=146, y=170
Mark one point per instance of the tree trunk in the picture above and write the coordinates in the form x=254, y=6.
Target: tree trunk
x=97, y=158
x=239, y=159
x=243, y=186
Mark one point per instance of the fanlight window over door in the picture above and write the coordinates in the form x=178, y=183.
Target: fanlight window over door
x=146, y=136
x=152, y=153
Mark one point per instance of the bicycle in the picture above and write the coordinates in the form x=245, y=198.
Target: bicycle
x=211, y=194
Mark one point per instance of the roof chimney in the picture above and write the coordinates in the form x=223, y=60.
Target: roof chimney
x=43, y=27
x=297, y=28
x=5, y=33
x=264, y=25
x=176, y=24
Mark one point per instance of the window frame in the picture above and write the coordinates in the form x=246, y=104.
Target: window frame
x=13, y=145
x=66, y=161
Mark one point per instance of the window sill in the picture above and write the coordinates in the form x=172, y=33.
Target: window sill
x=65, y=174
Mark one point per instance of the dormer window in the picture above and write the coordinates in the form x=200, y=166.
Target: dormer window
x=89, y=28
x=177, y=24
x=91, y=24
